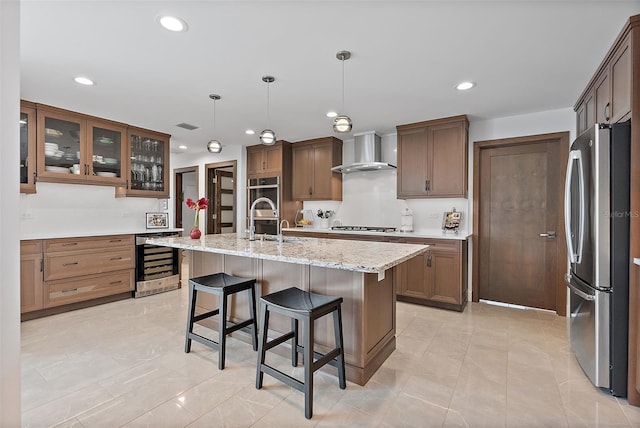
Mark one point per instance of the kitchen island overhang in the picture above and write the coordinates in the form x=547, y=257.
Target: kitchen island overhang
x=363, y=273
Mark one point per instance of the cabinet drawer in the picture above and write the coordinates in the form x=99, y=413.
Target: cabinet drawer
x=63, y=292
x=31, y=247
x=88, y=243
x=436, y=244
x=70, y=264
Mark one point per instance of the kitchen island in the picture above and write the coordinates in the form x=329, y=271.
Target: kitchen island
x=362, y=273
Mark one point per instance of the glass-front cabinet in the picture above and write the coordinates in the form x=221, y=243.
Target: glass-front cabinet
x=77, y=148
x=27, y=147
x=148, y=161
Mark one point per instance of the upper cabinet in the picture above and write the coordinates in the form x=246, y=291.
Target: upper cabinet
x=607, y=98
x=433, y=158
x=264, y=160
x=27, y=147
x=147, y=163
x=63, y=146
x=76, y=148
x=313, y=179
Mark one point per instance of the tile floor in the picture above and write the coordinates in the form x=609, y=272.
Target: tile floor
x=123, y=364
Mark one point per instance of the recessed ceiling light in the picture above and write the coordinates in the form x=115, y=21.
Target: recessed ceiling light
x=182, y=146
x=172, y=23
x=332, y=114
x=249, y=132
x=83, y=80
x=463, y=86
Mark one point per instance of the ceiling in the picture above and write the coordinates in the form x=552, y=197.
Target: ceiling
x=407, y=57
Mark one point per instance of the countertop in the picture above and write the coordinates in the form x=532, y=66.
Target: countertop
x=429, y=234
x=357, y=256
x=67, y=234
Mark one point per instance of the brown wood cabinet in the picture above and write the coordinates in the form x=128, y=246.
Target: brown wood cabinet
x=27, y=147
x=435, y=278
x=313, y=179
x=146, y=164
x=433, y=158
x=73, y=147
x=265, y=161
x=31, y=266
x=74, y=271
x=607, y=98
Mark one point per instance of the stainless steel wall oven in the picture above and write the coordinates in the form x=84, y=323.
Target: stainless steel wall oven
x=157, y=268
x=267, y=187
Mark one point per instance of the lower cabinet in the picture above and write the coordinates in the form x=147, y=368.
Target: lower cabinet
x=31, y=267
x=435, y=278
x=58, y=272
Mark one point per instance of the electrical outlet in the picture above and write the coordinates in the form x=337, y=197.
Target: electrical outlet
x=433, y=215
x=164, y=204
x=26, y=215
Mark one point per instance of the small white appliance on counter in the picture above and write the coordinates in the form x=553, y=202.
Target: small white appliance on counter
x=406, y=220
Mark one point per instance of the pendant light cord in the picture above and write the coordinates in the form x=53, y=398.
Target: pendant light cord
x=342, y=112
x=268, y=116
x=214, y=114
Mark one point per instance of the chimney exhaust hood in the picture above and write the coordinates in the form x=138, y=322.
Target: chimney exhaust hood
x=368, y=155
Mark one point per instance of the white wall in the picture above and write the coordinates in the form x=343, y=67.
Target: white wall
x=229, y=153
x=10, y=392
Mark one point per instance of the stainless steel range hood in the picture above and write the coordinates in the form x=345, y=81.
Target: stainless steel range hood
x=368, y=155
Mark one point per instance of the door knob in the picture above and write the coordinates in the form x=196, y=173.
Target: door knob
x=551, y=234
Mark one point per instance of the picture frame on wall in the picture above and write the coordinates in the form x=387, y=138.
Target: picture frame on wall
x=157, y=220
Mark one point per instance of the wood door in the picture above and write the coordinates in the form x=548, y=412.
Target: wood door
x=254, y=160
x=31, y=298
x=518, y=198
x=273, y=159
x=415, y=282
x=621, y=83
x=27, y=148
x=224, y=220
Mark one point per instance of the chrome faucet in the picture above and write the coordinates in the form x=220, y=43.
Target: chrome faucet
x=252, y=226
x=284, y=220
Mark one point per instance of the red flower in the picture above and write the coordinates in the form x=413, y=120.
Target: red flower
x=200, y=204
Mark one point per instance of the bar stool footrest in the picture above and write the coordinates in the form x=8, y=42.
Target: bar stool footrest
x=205, y=341
x=206, y=315
x=283, y=377
x=278, y=340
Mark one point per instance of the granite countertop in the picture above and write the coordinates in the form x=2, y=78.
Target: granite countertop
x=429, y=234
x=357, y=256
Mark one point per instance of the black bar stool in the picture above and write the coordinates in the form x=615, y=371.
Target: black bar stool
x=222, y=285
x=307, y=307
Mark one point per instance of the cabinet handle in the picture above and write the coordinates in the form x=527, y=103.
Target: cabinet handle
x=116, y=258
x=66, y=244
x=70, y=264
x=427, y=185
x=69, y=291
x=606, y=111
x=115, y=282
x=429, y=260
x=116, y=240
x=41, y=265
x=86, y=169
x=310, y=190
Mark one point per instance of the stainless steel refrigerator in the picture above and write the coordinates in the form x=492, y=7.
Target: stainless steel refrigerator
x=597, y=227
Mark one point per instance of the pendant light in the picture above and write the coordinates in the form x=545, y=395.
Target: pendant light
x=342, y=122
x=214, y=146
x=267, y=136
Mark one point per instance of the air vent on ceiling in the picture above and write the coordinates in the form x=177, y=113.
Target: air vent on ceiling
x=187, y=126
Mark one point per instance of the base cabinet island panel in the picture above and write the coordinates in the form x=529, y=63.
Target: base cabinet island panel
x=368, y=309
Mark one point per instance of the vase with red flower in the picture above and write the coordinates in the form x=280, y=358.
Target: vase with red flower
x=200, y=204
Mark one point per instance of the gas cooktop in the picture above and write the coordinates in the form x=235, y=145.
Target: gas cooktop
x=365, y=228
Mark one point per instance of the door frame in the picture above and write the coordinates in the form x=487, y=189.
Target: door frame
x=209, y=171
x=561, y=138
x=178, y=193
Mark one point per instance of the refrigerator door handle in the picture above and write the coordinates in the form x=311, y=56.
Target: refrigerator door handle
x=581, y=293
x=574, y=256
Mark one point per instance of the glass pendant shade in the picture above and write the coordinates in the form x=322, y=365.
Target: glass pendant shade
x=342, y=123
x=268, y=137
x=214, y=146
